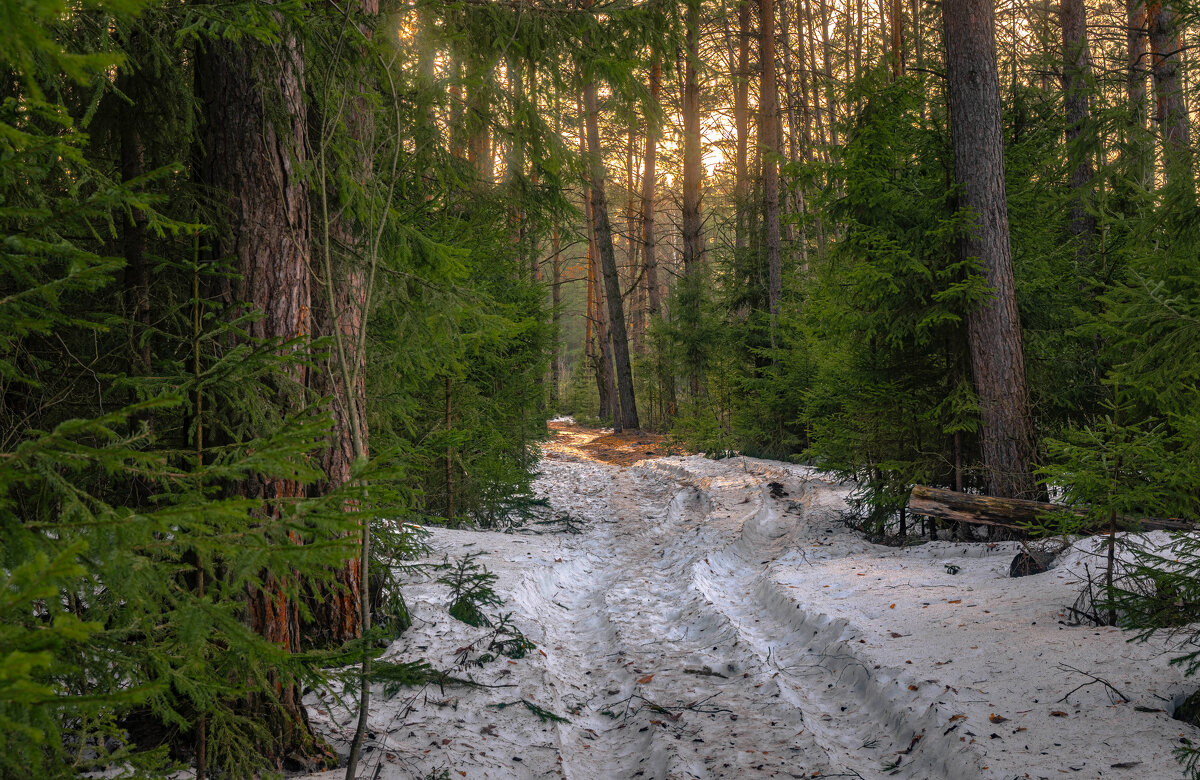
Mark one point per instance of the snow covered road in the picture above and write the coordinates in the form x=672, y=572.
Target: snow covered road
x=715, y=619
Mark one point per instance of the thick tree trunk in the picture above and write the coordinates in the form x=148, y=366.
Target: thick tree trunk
x=336, y=616
x=1142, y=167
x=627, y=414
x=649, y=176
x=257, y=166
x=1170, y=110
x=339, y=308
x=768, y=135
x=994, y=328
x=1081, y=140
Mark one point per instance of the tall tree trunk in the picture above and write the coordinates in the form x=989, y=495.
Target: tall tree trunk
x=339, y=308
x=808, y=32
x=693, y=225
x=830, y=102
x=596, y=345
x=649, y=176
x=768, y=135
x=632, y=240
x=555, y=317
x=741, y=122
x=1142, y=168
x=994, y=328
x=859, y=24
x=133, y=230
x=1081, y=140
x=897, y=38
x=628, y=416
x=479, y=131
x=1170, y=111
x=597, y=332
x=796, y=195
x=256, y=164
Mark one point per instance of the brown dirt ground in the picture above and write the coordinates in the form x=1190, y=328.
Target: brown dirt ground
x=604, y=446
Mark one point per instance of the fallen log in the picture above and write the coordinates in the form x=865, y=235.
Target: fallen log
x=1012, y=513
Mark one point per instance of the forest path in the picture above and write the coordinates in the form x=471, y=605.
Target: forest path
x=715, y=619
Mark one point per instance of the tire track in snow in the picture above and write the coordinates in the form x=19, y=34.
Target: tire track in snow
x=846, y=706
x=660, y=684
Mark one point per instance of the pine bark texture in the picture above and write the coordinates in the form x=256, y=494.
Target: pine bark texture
x=608, y=266
x=337, y=613
x=994, y=328
x=254, y=142
x=336, y=616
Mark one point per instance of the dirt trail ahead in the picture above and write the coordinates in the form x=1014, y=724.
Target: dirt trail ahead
x=715, y=620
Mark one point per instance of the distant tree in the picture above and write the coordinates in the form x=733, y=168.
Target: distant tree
x=1166, y=56
x=1081, y=135
x=625, y=416
x=693, y=223
x=768, y=135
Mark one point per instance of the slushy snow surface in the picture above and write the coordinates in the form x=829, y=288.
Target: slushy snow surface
x=701, y=627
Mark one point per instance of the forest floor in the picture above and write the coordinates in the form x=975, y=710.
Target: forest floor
x=717, y=619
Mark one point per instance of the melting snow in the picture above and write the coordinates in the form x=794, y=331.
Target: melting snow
x=700, y=627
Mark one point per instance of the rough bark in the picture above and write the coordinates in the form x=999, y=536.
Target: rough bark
x=1013, y=513
x=768, y=134
x=339, y=306
x=336, y=616
x=256, y=166
x=994, y=329
x=627, y=412
x=1170, y=111
x=1077, y=77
